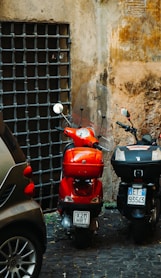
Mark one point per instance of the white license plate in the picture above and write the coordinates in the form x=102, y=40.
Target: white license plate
x=136, y=196
x=81, y=218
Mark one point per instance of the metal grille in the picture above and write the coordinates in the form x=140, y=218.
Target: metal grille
x=34, y=74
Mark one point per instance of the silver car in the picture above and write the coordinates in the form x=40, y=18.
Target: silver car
x=22, y=225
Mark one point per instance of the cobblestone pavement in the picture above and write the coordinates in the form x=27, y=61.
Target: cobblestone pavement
x=112, y=255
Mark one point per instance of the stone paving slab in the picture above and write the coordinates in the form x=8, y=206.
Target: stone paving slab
x=112, y=255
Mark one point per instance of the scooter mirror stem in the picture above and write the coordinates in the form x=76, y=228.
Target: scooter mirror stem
x=81, y=111
x=58, y=109
x=130, y=121
x=126, y=113
x=66, y=119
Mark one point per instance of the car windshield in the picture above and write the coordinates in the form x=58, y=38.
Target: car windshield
x=6, y=161
x=8, y=141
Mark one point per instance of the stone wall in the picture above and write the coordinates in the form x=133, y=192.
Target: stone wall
x=118, y=43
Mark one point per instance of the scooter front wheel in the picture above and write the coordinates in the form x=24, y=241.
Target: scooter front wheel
x=82, y=237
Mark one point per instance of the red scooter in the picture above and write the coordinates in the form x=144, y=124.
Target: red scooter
x=80, y=192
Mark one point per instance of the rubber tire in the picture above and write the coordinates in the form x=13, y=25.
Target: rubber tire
x=158, y=208
x=23, y=234
x=139, y=229
x=152, y=225
x=82, y=238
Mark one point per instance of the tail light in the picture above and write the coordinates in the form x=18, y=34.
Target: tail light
x=83, y=187
x=28, y=171
x=29, y=189
x=68, y=199
x=138, y=180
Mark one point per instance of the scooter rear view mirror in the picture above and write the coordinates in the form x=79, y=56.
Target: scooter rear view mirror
x=125, y=112
x=58, y=108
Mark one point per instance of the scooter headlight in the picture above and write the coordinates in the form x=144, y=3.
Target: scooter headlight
x=119, y=155
x=68, y=199
x=156, y=155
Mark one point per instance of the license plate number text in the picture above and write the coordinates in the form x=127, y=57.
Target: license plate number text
x=136, y=196
x=81, y=218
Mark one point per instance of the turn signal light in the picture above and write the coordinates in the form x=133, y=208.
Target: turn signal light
x=30, y=189
x=95, y=200
x=68, y=199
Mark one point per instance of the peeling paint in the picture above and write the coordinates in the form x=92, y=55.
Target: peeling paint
x=117, y=42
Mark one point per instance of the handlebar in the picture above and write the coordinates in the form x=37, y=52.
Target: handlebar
x=101, y=148
x=79, y=139
x=126, y=127
x=97, y=146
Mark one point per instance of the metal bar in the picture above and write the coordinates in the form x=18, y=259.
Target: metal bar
x=34, y=74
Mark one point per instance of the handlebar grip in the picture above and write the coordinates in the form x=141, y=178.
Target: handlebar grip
x=59, y=128
x=97, y=146
x=122, y=125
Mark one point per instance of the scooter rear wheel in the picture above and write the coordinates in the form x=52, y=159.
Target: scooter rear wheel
x=82, y=237
x=139, y=230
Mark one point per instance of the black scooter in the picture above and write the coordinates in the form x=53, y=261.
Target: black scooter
x=139, y=167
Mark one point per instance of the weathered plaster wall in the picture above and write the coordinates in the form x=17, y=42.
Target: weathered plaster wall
x=135, y=67
x=116, y=41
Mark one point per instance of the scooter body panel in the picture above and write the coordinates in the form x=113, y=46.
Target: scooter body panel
x=83, y=163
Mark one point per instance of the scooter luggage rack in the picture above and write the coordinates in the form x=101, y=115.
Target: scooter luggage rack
x=83, y=162
x=135, y=157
